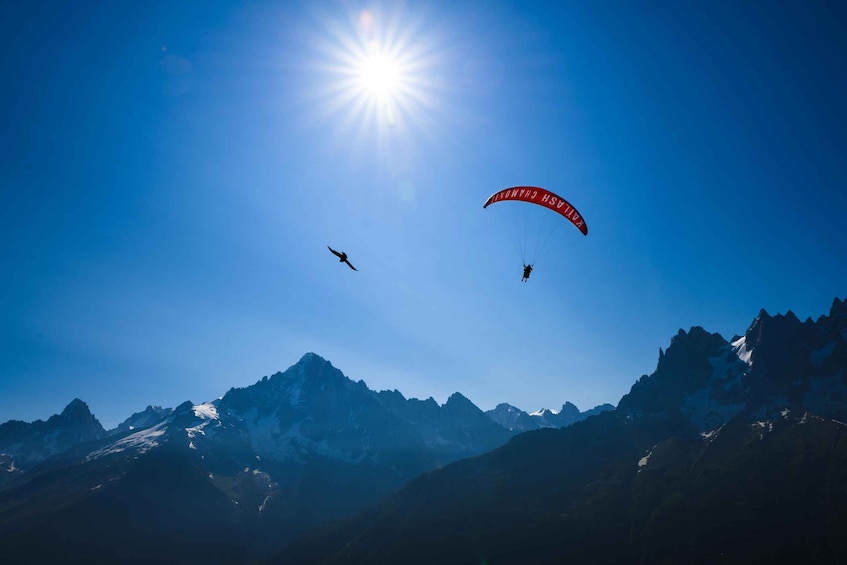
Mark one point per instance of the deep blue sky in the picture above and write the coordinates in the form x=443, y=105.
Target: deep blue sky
x=171, y=173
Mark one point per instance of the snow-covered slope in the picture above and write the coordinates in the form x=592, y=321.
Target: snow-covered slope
x=150, y=416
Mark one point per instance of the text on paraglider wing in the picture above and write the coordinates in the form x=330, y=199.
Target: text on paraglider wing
x=543, y=198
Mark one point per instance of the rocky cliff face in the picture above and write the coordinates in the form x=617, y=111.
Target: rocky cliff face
x=779, y=363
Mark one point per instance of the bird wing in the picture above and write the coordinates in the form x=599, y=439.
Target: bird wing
x=351, y=266
x=334, y=252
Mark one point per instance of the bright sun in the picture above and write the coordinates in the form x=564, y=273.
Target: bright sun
x=380, y=73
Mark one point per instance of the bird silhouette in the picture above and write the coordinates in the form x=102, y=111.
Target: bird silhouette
x=342, y=257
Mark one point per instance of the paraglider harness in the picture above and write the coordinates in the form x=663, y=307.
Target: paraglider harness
x=527, y=269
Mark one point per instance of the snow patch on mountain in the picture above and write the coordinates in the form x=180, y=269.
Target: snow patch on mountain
x=740, y=348
x=206, y=411
x=643, y=461
x=543, y=412
x=7, y=463
x=209, y=419
x=141, y=442
x=711, y=434
x=516, y=420
x=762, y=426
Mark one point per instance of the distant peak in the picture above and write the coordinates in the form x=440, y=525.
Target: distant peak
x=76, y=406
x=310, y=357
x=77, y=416
x=396, y=394
x=458, y=398
x=839, y=308
x=458, y=401
x=184, y=407
x=569, y=408
x=505, y=406
x=312, y=367
x=679, y=335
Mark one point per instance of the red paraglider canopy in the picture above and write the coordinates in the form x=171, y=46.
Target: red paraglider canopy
x=542, y=197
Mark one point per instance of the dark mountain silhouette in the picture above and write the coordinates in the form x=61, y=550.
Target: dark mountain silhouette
x=730, y=452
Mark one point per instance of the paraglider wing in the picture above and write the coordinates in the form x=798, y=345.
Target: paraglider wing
x=542, y=197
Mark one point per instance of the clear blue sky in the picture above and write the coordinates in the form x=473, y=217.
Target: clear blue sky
x=172, y=172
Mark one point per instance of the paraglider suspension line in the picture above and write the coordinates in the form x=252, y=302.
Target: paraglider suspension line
x=543, y=247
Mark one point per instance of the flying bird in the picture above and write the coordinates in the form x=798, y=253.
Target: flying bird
x=342, y=257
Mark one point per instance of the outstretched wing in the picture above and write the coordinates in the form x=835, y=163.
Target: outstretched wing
x=334, y=252
x=351, y=266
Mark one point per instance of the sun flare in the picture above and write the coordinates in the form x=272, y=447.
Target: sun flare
x=380, y=67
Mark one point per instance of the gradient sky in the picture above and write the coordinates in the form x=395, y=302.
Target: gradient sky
x=172, y=172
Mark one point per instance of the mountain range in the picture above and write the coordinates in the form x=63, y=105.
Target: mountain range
x=23, y=445
x=517, y=420
x=274, y=459
x=730, y=451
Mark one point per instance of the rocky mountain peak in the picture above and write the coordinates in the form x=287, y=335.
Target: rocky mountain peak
x=839, y=307
x=312, y=364
x=780, y=362
x=76, y=421
x=458, y=402
x=684, y=368
x=516, y=420
x=569, y=411
x=150, y=416
x=75, y=409
x=24, y=445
